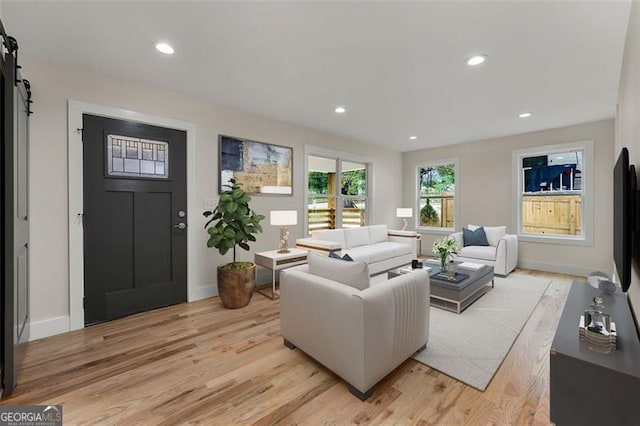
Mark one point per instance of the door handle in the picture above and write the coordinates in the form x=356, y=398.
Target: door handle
x=180, y=225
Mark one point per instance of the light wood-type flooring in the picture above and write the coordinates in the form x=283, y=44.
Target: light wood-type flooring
x=201, y=363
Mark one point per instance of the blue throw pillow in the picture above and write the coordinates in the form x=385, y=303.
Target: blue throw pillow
x=474, y=238
x=333, y=255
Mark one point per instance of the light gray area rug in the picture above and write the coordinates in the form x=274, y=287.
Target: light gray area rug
x=471, y=346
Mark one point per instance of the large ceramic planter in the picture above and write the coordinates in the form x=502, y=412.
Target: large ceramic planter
x=235, y=286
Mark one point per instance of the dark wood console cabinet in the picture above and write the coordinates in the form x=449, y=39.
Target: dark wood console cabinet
x=588, y=388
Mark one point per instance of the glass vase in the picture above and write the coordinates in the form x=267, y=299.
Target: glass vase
x=451, y=270
x=443, y=262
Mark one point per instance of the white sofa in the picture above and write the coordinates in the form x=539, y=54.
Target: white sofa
x=361, y=335
x=375, y=245
x=501, y=253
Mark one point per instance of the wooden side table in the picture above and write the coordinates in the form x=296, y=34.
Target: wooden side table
x=277, y=261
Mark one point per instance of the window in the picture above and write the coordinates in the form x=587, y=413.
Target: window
x=553, y=187
x=134, y=157
x=437, y=195
x=353, y=189
x=336, y=193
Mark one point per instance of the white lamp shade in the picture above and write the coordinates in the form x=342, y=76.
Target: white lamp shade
x=283, y=217
x=404, y=212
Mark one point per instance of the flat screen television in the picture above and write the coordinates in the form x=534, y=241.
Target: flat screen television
x=624, y=189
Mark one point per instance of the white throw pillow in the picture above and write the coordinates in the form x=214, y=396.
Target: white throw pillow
x=354, y=237
x=493, y=233
x=378, y=233
x=354, y=274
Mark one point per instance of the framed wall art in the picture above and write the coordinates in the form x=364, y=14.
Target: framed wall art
x=261, y=168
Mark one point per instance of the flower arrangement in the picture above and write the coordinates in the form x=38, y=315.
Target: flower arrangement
x=445, y=247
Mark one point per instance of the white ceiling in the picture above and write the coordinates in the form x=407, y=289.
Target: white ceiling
x=397, y=67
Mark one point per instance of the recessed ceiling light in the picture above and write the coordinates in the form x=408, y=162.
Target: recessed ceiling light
x=525, y=115
x=340, y=110
x=413, y=138
x=164, y=48
x=476, y=60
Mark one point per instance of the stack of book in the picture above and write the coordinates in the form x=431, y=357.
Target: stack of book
x=598, y=336
x=471, y=265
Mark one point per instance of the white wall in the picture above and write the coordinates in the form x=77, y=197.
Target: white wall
x=628, y=124
x=484, y=190
x=53, y=84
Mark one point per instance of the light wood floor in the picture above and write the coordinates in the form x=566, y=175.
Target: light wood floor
x=200, y=363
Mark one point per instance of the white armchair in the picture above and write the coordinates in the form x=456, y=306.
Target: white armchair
x=501, y=253
x=360, y=335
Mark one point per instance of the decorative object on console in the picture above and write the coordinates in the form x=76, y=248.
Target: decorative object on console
x=233, y=217
x=404, y=213
x=601, y=281
x=607, y=287
x=261, y=168
x=445, y=248
x=596, y=328
x=283, y=218
x=415, y=264
x=595, y=277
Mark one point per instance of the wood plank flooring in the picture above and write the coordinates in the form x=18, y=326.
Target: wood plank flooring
x=199, y=363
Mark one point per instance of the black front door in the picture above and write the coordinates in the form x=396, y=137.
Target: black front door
x=135, y=204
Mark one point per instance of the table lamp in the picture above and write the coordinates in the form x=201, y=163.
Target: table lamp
x=283, y=218
x=404, y=213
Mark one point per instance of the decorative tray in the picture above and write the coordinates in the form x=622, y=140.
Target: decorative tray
x=443, y=276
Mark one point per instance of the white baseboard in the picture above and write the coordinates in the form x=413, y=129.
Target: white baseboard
x=558, y=268
x=48, y=327
x=51, y=327
x=203, y=292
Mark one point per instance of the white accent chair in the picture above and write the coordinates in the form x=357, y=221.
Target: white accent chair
x=361, y=335
x=501, y=253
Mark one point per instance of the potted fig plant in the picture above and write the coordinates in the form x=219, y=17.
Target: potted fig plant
x=235, y=225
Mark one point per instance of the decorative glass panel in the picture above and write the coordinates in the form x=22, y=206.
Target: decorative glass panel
x=133, y=157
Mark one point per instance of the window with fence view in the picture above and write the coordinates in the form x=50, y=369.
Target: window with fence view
x=337, y=193
x=437, y=190
x=551, y=197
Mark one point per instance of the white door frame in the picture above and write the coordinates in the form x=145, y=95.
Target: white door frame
x=76, y=232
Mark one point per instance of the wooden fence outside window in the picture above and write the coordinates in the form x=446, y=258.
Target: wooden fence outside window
x=552, y=214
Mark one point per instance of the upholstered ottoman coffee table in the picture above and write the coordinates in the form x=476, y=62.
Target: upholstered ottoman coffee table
x=456, y=297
